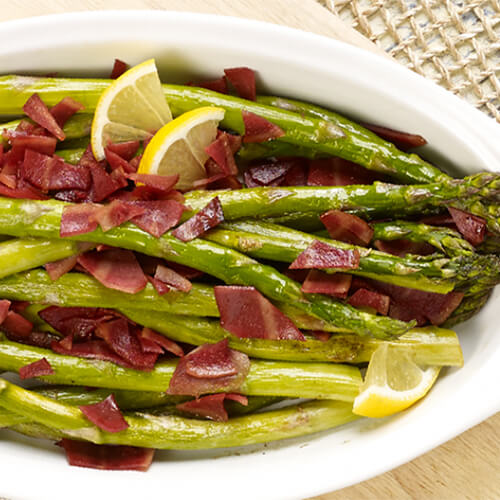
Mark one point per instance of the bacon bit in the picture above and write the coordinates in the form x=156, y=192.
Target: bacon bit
x=25, y=127
x=373, y=300
x=160, y=287
x=246, y=313
x=159, y=216
x=258, y=129
x=401, y=140
x=207, y=218
x=210, y=359
x=439, y=220
x=37, y=339
x=119, y=67
x=148, y=346
x=321, y=255
x=103, y=184
x=4, y=309
x=403, y=313
x=115, y=161
x=21, y=142
x=36, y=109
x=65, y=109
x=67, y=342
x=229, y=182
x=106, y=415
x=164, y=183
x=49, y=173
x=125, y=344
x=8, y=175
x=267, y=174
x=203, y=183
x=218, y=85
x=77, y=219
x=125, y=150
x=117, y=269
x=115, y=213
x=161, y=340
x=72, y=196
x=347, y=227
x=297, y=173
x=298, y=275
x=19, y=306
x=107, y=457
x=336, y=284
x=188, y=272
x=337, y=172
x=243, y=80
x=24, y=191
x=472, y=227
x=220, y=150
x=17, y=325
x=211, y=406
x=403, y=247
x=323, y=336
x=60, y=267
x=39, y=368
x=173, y=279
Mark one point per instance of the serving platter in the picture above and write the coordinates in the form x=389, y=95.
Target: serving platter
x=309, y=67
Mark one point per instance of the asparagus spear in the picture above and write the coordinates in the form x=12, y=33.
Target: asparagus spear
x=469, y=307
x=44, y=219
x=343, y=139
x=266, y=378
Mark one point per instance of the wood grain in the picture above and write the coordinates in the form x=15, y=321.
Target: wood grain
x=466, y=467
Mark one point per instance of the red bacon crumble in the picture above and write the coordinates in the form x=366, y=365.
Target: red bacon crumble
x=4, y=309
x=115, y=213
x=24, y=191
x=36, y=109
x=115, y=161
x=164, y=183
x=207, y=218
x=107, y=457
x=65, y=109
x=212, y=361
x=125, y=150
x=403, y=247
x=160, y=287
x=17, y=325
x=60, y=267
x=243, y=80
x=347, y=227
x=103, y=184
x=267, y=174
x=258, y=129
x=117, y=269
x=172, y=278
x=37, y=339
x=321, y=255
x=162, y=341
x=39, y=368
x=211, y=406
x=119, y=67
x=336, y=285
x=246, y=313
x=78, y=219
x=402, y=140
x=218, y=85
x=337, y=172
x=159, y=216
x=373, y=300
x=21, y=142
x=472, y=227
x=221, y=151
x=106, y=415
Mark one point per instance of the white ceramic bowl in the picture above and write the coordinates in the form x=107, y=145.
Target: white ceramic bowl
x=309, y=67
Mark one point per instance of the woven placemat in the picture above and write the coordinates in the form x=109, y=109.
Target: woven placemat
x=456, y=43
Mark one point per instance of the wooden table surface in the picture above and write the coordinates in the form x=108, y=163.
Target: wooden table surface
x=467, y=467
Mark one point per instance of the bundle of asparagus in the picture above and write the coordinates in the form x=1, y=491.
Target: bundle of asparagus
x=401, y=258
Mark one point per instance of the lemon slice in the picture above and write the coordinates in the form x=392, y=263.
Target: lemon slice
x=179, y=146
x=132, y=108
x=393, y=382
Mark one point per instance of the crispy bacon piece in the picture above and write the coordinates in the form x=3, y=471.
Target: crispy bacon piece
x=243, y=80
x=65, y=109
x=160, y=287
x=297, y=173
x=107, y=457
x=258, y=129
x=125, y=150
x=116, y=269
x=207, y=218
x=218, y=85
x=173, y=279
x=336, y=284
x=402, y=140
x=472, y=227
x=246, y=313
x=337, y=172
x=39, y=368
x=17, y=325
x=211, y=406
x=164, y=183
x=36, y=109
x=321, y=255
x=4, y=309
x=439, y=220
x=347, y=227
x=21, y=142
x=186, y=271
x=119, y=67
x=60, y=267
x=37, y=339
x=115, y=161
x=115, y=213
x=210, y=359
x=165, y=343
x=77, y=219
x=267, y=174
x=24, y=191
x=103, y=184
x=159, y=216
x=221, y=152
x=403, y=313
x=106, y=415
x=403, y=247
x=374, y=300
x=50, y=173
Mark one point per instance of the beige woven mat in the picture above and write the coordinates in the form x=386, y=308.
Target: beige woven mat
x=456, y=43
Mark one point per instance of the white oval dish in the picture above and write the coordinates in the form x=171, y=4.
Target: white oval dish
x=304, y=66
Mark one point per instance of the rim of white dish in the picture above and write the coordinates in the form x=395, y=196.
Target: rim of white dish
x=309, y=50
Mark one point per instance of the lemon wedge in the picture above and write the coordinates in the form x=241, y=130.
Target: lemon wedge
x=179, y=146
x=393, y=382
x=133, y=107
